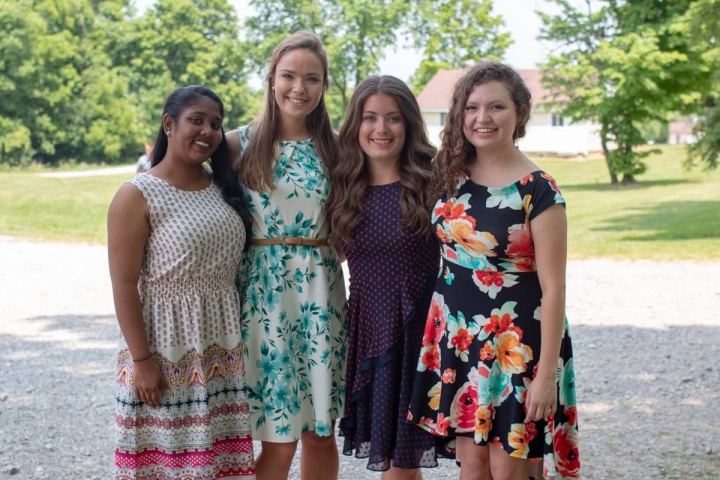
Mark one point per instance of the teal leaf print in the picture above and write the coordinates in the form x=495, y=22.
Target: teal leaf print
x=505, y=197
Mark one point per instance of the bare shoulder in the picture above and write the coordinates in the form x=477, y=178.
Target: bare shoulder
x=128, y=200
x=233, y=140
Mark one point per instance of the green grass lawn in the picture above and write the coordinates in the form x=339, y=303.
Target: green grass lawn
x=672, y=214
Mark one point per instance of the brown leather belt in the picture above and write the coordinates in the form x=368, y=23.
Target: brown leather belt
x=310, y=242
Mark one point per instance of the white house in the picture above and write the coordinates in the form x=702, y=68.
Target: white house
x=682, y=132
x=547, y=132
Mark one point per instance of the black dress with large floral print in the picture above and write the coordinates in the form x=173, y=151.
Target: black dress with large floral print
x=482, y=336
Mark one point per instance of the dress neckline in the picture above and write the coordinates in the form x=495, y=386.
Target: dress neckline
x=176, y=188
x=471, y=181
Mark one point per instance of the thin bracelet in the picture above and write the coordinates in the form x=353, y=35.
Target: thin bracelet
x=142, y=359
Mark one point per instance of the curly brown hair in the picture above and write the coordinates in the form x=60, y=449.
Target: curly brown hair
x=257, y=160
x=350, y=177
x=456, y=152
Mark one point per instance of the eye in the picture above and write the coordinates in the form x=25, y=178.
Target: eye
x=498, y=107
x=394, y=119
x=314, y=79
x=369, y=118
x=216, y=126
x=195, y=120
x=286, y=76
x=470, y=108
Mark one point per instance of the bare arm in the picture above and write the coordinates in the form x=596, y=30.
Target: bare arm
x=128, y=232
x=549, y=230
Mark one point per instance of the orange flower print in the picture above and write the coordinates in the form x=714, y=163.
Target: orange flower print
x=434, y=395
x=448, y=376
x=520, y=242
x=429, y=359
x=461, y=335
x=483, y=423
x=463, y=409
x=440, y=232
x=519, y=438
x=565, y=444
x=487, y=352
x=491, y=281
x=461, y=340
x=553, y=184
x=436, y=323
x=512, y=355
x=462, y=232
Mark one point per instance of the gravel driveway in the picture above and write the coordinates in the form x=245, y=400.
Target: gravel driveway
x=647, y=343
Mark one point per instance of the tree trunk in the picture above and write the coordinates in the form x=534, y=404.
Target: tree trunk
x=628, y=180
x=606, y=152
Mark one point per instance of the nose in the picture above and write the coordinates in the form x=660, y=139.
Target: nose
x=299, y=85
x=381, y=126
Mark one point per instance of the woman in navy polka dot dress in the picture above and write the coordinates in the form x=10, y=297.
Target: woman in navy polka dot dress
x=380, y=214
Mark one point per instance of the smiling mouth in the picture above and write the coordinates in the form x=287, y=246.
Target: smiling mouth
x=485, y=130
x=202, y=144
x=382, y=143
x=296, y=101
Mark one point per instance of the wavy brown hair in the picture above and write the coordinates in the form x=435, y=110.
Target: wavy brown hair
x=257, y=160
x=350, y=177
x=456, y=152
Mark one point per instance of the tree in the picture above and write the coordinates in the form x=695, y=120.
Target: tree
x=620, y=65
x=452, y=33
x=355, y=34
x=702, y=23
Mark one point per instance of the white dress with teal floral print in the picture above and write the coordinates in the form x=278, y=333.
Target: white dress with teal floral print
x=293, y=312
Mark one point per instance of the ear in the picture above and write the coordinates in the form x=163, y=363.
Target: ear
x=167, y=122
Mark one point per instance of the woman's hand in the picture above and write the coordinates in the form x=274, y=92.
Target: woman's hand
x=149, y=382
x=541, y=399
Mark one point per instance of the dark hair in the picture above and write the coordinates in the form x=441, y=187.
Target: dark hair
x=350, y=177
x=220, y=162
x=256, y=162
x=456, y=152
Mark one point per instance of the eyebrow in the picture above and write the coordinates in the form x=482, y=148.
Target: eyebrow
x=288, y=70
x=389, y=113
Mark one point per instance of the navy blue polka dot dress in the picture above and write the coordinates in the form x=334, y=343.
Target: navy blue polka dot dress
x=392, y=272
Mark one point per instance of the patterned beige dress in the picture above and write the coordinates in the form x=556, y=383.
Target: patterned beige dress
x=191, y=309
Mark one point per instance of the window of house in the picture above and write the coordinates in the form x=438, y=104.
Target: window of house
x=557, y=120
x=442, y=118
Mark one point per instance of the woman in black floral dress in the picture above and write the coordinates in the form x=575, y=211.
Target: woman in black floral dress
x=496, y=365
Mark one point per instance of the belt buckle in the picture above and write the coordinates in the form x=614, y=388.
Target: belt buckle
x=282, y=241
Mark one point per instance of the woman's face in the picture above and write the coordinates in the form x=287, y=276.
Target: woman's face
x=382, y=129
x=197, y=131
x=490, y=116
x=298, y=84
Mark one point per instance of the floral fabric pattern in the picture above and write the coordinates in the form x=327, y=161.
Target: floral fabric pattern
x=482, y=336
x=293, y=304
x=190, y=308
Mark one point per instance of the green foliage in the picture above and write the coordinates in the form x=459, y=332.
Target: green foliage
x=702, y=22
x=355, y=34
x=85, y=80
x=672, y=215
x=622, y=65
x=453, y=33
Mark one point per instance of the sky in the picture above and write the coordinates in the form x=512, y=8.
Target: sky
x=520, y=20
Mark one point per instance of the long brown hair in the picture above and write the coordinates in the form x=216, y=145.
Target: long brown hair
x=350, y=177
x=456, y=152
x=256, y=162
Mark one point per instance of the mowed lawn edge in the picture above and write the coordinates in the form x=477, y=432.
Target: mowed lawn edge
x=671, y=214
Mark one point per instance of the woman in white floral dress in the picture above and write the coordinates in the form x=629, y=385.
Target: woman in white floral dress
x=293, y=314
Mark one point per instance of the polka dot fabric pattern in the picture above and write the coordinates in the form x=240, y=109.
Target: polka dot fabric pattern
x=391, y=272
x=482, y=336
x=191, y=309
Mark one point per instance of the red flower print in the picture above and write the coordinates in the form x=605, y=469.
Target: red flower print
x=571, y=413
x=489, y=277
x=436, y=323
x=551, y=180
x=442, y=424
x=501, y=323
x=526, y=179
x=450, y=211
x=462, y=340
x=520, y=242
x=431, y=359
x=464, y=408
x=566, y=452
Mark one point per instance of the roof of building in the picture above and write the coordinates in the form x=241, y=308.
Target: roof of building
x=437, y=94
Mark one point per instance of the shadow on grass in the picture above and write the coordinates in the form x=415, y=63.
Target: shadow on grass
x=681, y=220
x=608, y=187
